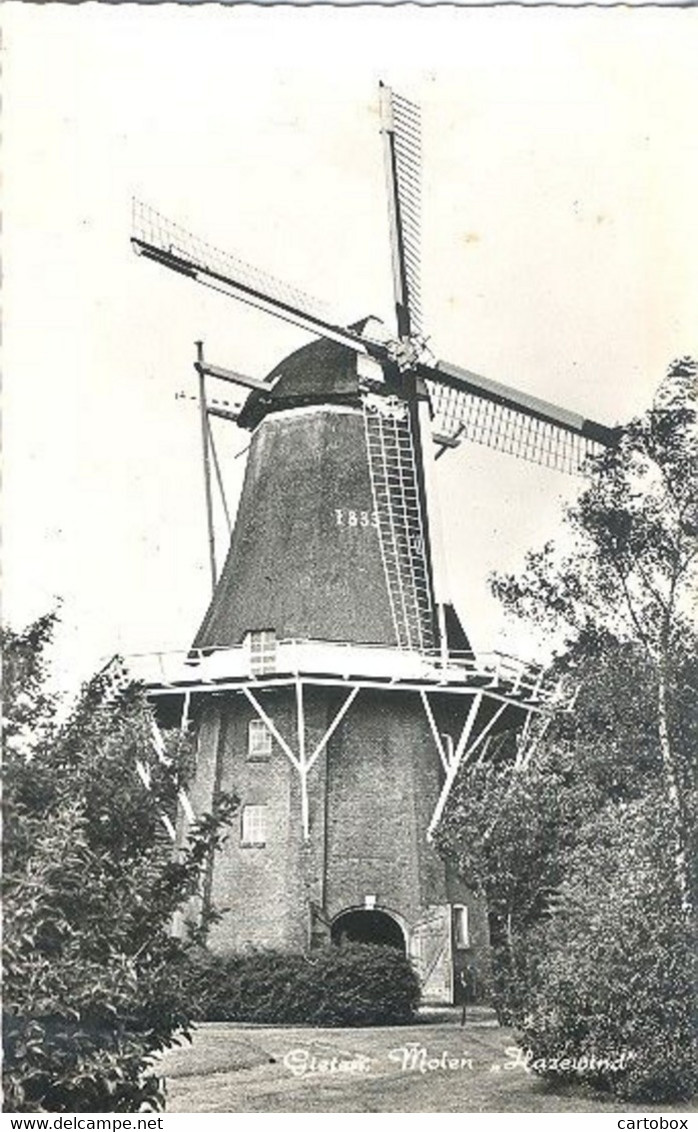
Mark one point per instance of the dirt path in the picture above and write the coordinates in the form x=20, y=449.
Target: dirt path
x=437, y=1067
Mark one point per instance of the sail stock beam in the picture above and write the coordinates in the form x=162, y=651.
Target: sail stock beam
x=468, y=406
x=170, y=244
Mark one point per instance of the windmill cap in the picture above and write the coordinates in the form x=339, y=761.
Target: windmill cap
x=321, y=372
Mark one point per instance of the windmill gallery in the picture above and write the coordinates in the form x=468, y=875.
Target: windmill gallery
x=331, y=685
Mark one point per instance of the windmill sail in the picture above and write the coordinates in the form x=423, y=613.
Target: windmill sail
x=168, y=243
x=395, y=449
x=469, y=407
x=403, y=157
x=465, y=405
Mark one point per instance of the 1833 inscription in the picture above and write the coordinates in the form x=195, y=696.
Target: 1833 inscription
x=347, y=517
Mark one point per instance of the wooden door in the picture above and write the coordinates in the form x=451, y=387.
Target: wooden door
x=431, y=952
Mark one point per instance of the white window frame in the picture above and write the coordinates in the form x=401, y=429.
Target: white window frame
x=259, y=741
x=461, y=927
x=253, y=826
x=261, y=644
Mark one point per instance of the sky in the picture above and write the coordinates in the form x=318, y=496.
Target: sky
x=559, y=255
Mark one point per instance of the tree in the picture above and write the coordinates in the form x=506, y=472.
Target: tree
x=506, y=828
x=585, y=850
x=632, y=571
x=93, y=977
x=510, y=827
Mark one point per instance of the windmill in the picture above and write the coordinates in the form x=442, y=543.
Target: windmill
x=331, y=683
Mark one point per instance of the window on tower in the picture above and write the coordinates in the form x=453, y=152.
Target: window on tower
x=262, y=646
x=254, y=826
x=259, y=741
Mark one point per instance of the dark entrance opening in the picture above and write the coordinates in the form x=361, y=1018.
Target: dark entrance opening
x=365, y=926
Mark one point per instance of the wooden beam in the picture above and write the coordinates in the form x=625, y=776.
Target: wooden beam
x=462, y=755
x=167, y=688
x=485, y=732
x=434, y=730
x=302, y=767
x=224, y=414
x=207, y=464
x=271, y=726
x=219, y=477
x=206, y=368
x=455, y=763
x=186, y=704
x=333, y=726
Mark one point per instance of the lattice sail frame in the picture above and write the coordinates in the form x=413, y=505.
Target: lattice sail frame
x=407, y=137
x=152, y=228
x=401, y=529
x=459, y=416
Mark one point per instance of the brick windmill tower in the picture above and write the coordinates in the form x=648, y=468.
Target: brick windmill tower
x=331, y=684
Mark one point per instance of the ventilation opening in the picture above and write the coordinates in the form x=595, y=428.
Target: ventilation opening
x=368, y=927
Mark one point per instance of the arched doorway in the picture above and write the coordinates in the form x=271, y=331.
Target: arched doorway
x=368, y=926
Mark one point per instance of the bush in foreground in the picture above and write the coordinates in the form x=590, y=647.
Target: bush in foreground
x=613, y=1002
x=353, y=985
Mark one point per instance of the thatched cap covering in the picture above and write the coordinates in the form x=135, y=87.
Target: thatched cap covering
x=321, y=372
x=297, y=564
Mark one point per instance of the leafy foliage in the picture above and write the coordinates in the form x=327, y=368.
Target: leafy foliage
x=93, y=978
x=507, y=831
x=631, y=566
x=352, y=985
x=510, y=829
x=613, y=974
x=29, y=708
x=586, y=850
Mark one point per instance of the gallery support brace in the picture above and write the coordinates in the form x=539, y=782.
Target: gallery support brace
x=300, y=760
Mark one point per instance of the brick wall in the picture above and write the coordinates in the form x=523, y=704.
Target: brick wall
x=383, y=780
x=371, y=795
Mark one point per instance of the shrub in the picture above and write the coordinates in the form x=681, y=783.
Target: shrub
x=616, y=975
x=353, y=985
x=93, y=980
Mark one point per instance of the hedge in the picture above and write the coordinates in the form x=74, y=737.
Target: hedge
x=352, y=985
